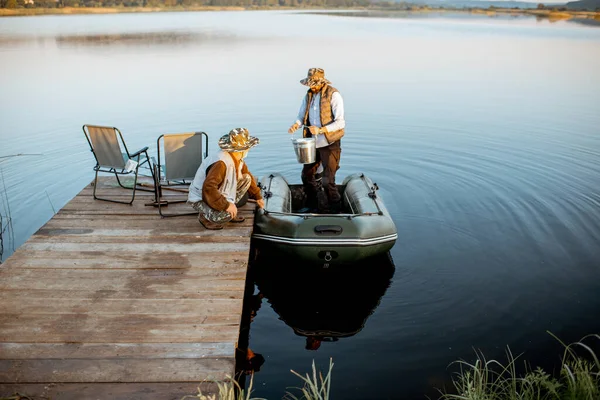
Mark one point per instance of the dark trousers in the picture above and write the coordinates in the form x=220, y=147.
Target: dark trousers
x=329, y=156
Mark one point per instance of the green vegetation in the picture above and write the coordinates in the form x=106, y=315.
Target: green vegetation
x=579, y=379
x=152, y=5
x=228, y=390
x=42, y=7
x=316, y=387
x=491, y=380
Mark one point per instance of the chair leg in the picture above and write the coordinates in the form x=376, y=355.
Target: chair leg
x=157, y=191
x=174, y=215
x=135, y=183
x=95, y=185
x=119, y=182
x=158, y=201
x=151, y=171
x=150, y=166
x=114, y=201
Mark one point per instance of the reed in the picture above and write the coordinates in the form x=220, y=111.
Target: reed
x=579, y=378
x=316, y=387
x=227, y=390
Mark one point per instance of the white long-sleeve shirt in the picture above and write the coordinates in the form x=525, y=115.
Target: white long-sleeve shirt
x=314, y=115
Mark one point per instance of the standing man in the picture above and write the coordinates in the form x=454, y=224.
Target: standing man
x=322, y=115
x=222, y=180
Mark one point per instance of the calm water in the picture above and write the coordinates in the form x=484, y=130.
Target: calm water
x=483, y=135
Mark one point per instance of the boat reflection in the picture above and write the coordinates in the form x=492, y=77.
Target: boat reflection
x=320, y=304
x=324, y=305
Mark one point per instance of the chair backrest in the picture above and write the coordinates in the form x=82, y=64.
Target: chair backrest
x=105, y=145
x=183, y=154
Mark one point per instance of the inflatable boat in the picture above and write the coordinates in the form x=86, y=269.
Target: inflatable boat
x=363, y=229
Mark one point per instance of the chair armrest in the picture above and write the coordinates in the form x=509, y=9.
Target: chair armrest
x=137, y=153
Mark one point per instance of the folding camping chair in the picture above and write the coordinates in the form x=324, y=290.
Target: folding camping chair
x=183, y=154
x=110, y=157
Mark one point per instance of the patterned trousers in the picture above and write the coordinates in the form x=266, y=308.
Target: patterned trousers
x=221, y=217
x=329, y=157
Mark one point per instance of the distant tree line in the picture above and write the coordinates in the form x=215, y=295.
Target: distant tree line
x=185, y=3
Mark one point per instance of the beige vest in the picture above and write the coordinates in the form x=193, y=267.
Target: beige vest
x=228, y=187
x=326, y=113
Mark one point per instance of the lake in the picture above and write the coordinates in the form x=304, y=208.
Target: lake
x=483, y=135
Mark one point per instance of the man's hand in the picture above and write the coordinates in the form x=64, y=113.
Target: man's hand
x=315, y=130
x=232, y=209
x=260, y=203
x=294, y=127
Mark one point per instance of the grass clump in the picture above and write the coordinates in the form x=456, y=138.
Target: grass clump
x=227, y=390
x=316, y=387
x=579, y=378
x=313, y=389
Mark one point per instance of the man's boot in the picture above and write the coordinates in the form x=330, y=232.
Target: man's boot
x=208, y=224
x=322, y=203
x=238, y=219
x=335, y=208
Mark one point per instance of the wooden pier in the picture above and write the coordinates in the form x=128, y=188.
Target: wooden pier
x=111, y=301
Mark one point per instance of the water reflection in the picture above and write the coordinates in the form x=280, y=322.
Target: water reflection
x=417, y=14
x=323, y=305
x=125, y=39
x=474, y=14
x=320, y=304
x=170, y=38
x=586, y=21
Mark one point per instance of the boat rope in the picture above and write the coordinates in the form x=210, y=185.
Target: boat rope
x=3, y=229
x=19, y=155
x=372, y=194
x=1, y=240
x=8, y=228
x=307, y=216
x=267, y=193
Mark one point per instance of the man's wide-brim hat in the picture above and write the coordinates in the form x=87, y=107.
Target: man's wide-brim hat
x=315, y=76
x=237, y=139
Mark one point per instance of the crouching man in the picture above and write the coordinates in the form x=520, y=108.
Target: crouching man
x=223, y=179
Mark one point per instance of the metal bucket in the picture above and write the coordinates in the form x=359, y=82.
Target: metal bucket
x=306, y=150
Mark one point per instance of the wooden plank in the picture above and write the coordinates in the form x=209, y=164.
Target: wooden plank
x=104, y=228
x=115, y=370
x=97, y=207
x=26, y=302
x=142, y=195
x=203, y=293
x=148, y=248
x=111, y=260
x=91, y=204
x=124, y=194
x=85, y=328
x=32, y=351
x=138, y=203
x=112, y=391
x=185, y=225
x=138, y=240
x=140, y=282
x=148, y=216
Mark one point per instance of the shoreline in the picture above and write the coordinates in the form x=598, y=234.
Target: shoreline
x=23, y=12
x=552, y=14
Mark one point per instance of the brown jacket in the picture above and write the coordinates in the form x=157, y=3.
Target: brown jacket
x=215, y=176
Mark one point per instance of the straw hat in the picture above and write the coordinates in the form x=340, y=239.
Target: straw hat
x=315, y=76
x=237, y=139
